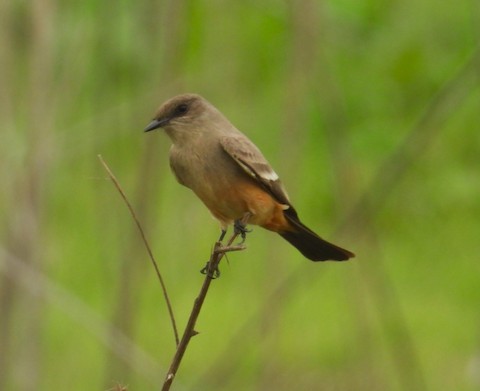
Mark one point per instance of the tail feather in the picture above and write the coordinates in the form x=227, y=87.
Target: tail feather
x=311, y=245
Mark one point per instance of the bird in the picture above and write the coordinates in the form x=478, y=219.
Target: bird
x=231, y=176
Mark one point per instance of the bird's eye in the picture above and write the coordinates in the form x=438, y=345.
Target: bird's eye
x=181, y=109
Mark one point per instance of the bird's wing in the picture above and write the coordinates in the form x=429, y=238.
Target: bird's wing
x=251, y=160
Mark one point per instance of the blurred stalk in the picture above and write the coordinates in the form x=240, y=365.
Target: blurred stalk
x=132, y=274
x=424, y=131
x=6, y=64
x=301, y=54
x=401, y=345
x=39, y=285
x=8, y=291
x=359, y=222
x=24, y=233
x=331, y=104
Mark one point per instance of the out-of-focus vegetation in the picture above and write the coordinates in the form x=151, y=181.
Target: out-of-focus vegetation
x=368, y=110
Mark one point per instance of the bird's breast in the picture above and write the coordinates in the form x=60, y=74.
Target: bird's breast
x=223, y=186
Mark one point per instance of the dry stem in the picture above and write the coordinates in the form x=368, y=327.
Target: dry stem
x=217, y=255
x=150, y=253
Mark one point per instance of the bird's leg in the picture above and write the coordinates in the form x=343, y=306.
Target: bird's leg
x=222, y=235
x=240, y=227
x=213, y=274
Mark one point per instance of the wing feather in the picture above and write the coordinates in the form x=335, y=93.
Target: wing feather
x=251, y=160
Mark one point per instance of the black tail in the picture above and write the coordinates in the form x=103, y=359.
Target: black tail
x=311, y=245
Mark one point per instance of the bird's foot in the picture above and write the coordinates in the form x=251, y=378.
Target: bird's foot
x=240, y=228
x=213, y=274
x=213, y=271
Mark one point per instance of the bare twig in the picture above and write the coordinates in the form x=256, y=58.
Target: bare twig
x=147, y=246
x=228, y=249
x=217, y=255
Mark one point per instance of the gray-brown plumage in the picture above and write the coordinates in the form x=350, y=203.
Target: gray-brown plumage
x=231, y=176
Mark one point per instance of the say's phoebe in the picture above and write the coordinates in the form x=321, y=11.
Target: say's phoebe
x=231, y=176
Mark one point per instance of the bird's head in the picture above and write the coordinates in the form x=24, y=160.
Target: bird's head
x=185, y=115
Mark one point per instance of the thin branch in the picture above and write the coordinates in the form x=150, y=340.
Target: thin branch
x=147, y=246
x=217, y=255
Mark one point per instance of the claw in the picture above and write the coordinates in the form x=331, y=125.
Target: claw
x=241, y=229
x=213, y=274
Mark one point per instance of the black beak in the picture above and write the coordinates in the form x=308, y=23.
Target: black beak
x=155, y=124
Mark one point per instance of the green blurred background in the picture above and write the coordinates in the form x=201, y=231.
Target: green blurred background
x=368, y=110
